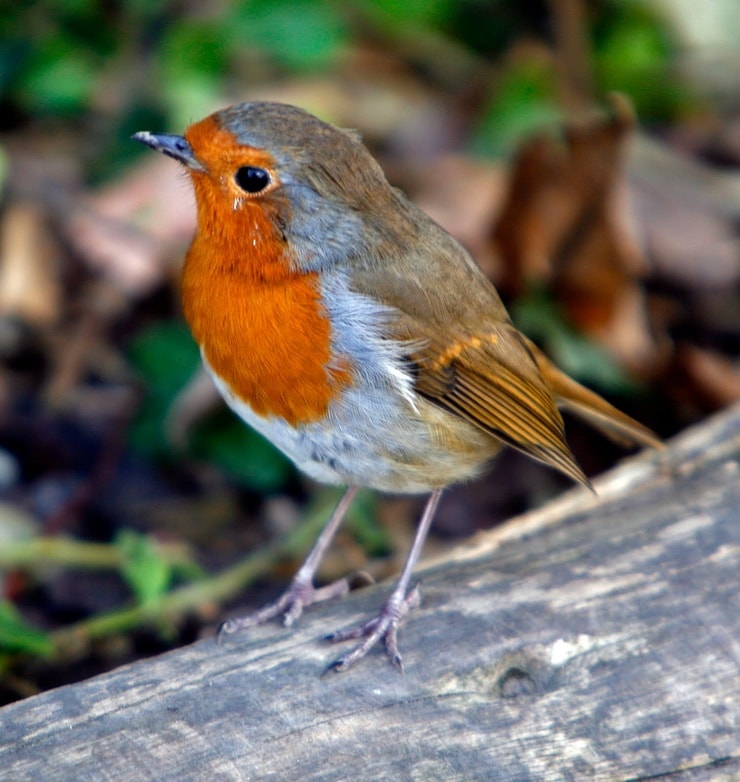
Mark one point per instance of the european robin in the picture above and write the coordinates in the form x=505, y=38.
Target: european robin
x=352, y=331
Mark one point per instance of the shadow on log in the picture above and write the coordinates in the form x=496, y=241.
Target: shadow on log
x=595, y=639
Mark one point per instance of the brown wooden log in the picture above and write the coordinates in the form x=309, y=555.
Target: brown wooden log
x=595, y=639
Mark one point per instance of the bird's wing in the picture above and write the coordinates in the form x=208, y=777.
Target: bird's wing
x=491, y=379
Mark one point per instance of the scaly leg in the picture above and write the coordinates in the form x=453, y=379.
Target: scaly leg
x=385, y=625
x=301, y=592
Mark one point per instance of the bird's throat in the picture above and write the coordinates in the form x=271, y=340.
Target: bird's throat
x=268, y=338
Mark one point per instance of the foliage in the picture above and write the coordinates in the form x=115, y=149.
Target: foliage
x=166, y=358
x=525, y=100
x=635, y=53
x=16, y=635
x=59, y=58
x=147, y=573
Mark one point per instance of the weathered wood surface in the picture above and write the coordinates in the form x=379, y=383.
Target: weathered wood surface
x=597, y=639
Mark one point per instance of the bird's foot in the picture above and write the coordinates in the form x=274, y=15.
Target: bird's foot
x=299, y=595
x=384, y=626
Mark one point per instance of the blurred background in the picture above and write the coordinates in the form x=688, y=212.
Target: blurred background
x=585, y=151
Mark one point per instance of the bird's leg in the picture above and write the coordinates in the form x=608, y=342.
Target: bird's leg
x=301, y=592
x=385, y=625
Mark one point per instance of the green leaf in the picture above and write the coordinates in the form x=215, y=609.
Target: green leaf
x=59, y=78
x=16, y=635
x=190, y=96
x=224, y=440
x=145, y=571
x=635, y=53
x=193, y=46
x=298, y=34
x=166, y=357
x=525, y=101
x=417, y=12
x=193, y=58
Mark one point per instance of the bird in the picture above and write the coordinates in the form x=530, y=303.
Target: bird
x=352, y=331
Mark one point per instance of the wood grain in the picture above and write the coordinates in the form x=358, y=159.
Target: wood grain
x=596, y=639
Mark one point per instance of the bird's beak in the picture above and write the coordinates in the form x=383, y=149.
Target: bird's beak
x=175, y=146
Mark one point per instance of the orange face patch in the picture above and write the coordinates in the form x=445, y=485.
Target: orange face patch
x=218, y=150
x=261, y=325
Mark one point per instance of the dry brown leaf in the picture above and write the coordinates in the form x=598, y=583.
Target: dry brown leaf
x=30, y=288
x=129, y=230
x=713, y=380
x=566, y=224
x=461, y=195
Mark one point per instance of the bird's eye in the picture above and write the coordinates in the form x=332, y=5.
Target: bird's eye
x=252, y=179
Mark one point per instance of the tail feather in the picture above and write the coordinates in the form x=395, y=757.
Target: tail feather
x=572, y=396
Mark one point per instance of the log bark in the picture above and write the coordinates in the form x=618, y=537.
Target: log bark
x=595, y=639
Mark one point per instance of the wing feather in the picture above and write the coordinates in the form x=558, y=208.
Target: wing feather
x=495, y=383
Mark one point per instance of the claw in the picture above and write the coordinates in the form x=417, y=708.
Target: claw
x=290, y=604
x=384, y=626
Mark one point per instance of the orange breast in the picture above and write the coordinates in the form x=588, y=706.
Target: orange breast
x=262, y=327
